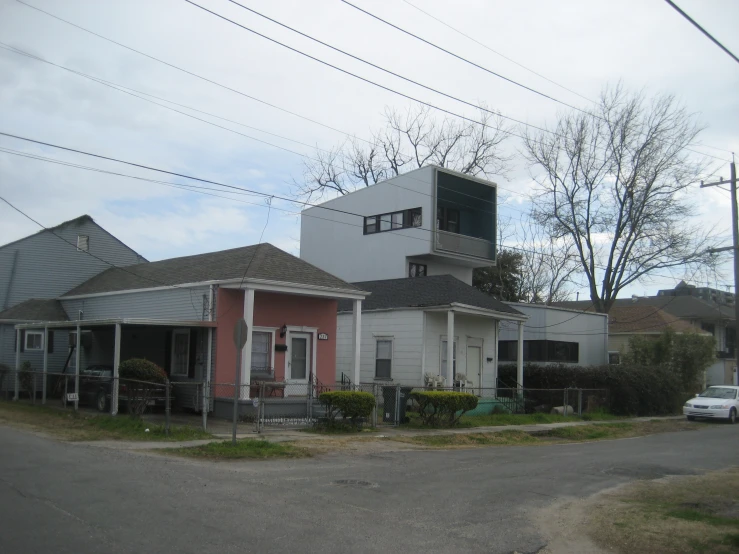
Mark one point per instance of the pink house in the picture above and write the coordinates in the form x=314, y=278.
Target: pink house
x=181, y=314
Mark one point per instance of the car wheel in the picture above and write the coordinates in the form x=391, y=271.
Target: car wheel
x=732, y=416
x=691, y=418
x=101, y=402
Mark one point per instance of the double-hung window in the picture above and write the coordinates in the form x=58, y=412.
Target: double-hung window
x=444, y=357
x=34, y=340
x=261, y=343
x=384, y=358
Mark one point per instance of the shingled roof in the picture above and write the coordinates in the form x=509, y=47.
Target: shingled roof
x=435, y=290
x=261, y=261
x=683, y=307
x=35, y=309
x=646, y=319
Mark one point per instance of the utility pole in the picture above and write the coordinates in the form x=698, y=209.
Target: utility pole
x=735, y=248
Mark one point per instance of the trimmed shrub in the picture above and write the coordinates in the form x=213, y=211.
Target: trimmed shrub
x=352, y=405
x=139, y=369
x=443, y=407
x=142, y=380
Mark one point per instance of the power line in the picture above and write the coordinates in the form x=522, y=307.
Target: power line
x=496, y=52
x=462, y=58
x=394, y=74
x=702, y=30
x=586, y=112
x=254, y=192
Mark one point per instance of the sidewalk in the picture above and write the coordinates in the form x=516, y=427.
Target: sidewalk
x=221, y=430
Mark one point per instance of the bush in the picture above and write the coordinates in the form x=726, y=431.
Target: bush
x=141, y=370
x=631, y=389
x=143, y=380
x=26, y=378
x=443, y=408
x=352, y=405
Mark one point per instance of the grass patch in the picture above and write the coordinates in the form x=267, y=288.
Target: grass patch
x=499, y=420
x=686, y=515
x=578, y=433
x=244, y=449
x=81, y=426
x=338, y=429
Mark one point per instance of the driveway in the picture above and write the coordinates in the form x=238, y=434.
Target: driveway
x=63, y=497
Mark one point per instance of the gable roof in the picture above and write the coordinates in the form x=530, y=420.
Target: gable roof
x=260, y=261
x=35, y=309
x=683, y=307
x=435, y=290
x=76, y=222
x=646, y=319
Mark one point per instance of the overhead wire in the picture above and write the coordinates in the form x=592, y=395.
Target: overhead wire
x=702, y=30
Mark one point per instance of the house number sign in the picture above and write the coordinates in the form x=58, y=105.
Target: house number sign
x=323, y=336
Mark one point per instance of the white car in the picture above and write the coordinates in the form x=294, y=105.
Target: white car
x=721, y=402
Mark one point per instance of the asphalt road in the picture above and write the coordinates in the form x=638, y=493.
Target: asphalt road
x=61, y=497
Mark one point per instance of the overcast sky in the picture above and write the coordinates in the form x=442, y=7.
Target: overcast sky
x=582, y=45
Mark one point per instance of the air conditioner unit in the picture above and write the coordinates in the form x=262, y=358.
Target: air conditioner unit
x=614, y=358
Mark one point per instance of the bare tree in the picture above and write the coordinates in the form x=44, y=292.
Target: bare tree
x=408, y=141
x=615, y=184
x=548, y=265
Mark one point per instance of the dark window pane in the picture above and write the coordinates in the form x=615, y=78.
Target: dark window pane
x=398, y=218
x=382, y=369
x=385, y=222
x=370, y=225
x=415, y=218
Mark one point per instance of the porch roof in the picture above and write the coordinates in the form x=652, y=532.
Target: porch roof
x=433, y=292
x=35, y=309
x=121, y=321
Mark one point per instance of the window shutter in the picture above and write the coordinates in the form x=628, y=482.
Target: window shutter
x=50, y=342
x=191, y=357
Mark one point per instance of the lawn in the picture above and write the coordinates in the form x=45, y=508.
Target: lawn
x=80, y=426
x=253, y=449
x=577, y=433
x=680, y=515
x=498, y=420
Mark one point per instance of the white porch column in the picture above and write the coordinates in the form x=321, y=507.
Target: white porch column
x=116, y=364
x=46, y=365
x=246, y=352
x=450, y=348
x=357, y=342
x=519, y=357
x=77, y=368
x=16, y=381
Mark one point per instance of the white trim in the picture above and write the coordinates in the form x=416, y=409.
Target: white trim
x=172, y=373
x=459, y=308
x=122, y=321
x=26, y=348
x=455, y=356
x=256, y=284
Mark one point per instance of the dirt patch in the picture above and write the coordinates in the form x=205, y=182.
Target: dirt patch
x=670, y=515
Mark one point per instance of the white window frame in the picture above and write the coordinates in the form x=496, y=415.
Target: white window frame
x=86, y=239
x=271, y=331
x=172, y=371
x=41, y=341
x=391, y=340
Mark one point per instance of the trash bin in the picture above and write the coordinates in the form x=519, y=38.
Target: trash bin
x=389, y=407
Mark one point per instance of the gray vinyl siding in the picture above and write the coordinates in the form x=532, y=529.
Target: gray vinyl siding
x=178, y=303
x=47, y=267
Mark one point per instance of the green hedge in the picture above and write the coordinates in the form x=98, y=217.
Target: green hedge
x=442, y=407
x=631, y=389
x=352, y=405
x=142, y=370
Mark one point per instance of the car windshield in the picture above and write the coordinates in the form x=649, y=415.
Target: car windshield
x=719, y=392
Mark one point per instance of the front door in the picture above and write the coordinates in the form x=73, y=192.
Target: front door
x=474, y=365
x=299, y=363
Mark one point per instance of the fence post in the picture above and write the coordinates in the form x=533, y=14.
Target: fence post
x=204, y=405
x=397, y=405
x=579, y=402
x=64, y=398
x=564, y=405
x=167, y=407
x=33, y=400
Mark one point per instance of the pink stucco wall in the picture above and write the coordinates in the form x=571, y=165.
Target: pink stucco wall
x=275, y=310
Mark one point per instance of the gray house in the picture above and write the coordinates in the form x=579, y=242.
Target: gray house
x=37, y=269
